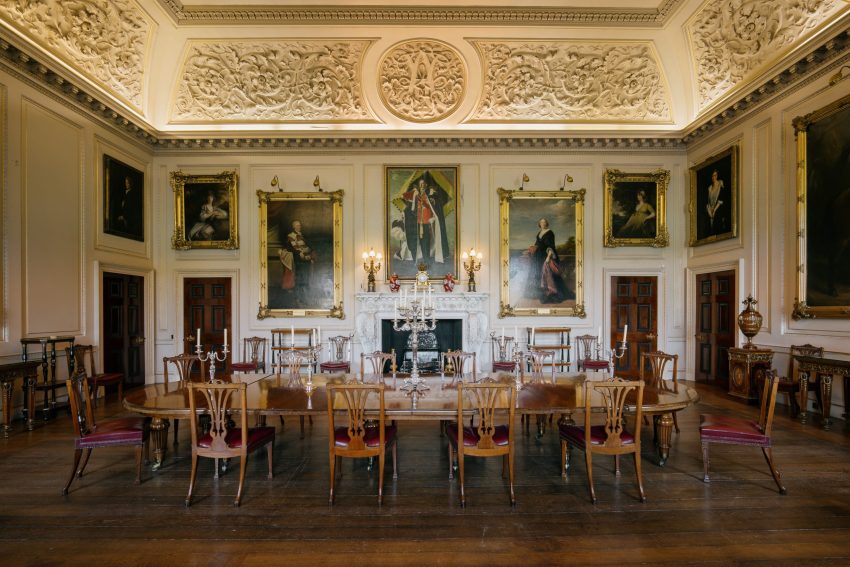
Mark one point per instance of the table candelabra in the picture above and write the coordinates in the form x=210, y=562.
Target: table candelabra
x=416, y=315
x=212, y=357
x=617, y=352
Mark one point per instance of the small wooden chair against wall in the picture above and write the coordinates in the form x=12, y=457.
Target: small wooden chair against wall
x=339, y=348
x=790, y=385
x=586, y=346
x=652, y=365
x=127, y=431
x=456, y=363
x=253, y=355
x=83, y=359
x=736, y=431
x=222, y=441
x=355, y=437
x=494, y=404
x=503, y=358
x=379, y=363
x=612, y=438
x=184, y=364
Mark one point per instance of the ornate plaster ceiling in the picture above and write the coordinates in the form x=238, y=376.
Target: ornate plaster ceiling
x=651, y=67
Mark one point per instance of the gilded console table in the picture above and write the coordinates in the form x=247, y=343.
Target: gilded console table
x=746, y=369
x=825, y=368
x=48, y=365
x=28, y=372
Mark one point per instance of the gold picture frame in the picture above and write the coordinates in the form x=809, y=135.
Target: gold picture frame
x=713, y=207
x=636, y=208
x=822, y=210
x=300, y=254
x=206, y=213
x=541, y=253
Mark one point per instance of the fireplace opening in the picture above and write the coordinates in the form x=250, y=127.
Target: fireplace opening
x=447, y=335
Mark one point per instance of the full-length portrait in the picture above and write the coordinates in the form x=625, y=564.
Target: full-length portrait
x=714, y=198
x=301, y=235
x=421, y=217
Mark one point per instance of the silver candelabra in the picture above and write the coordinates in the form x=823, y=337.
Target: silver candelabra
x=212, y=356
x=416, y=315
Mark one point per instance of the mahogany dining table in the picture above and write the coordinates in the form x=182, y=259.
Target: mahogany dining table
x=286, y=395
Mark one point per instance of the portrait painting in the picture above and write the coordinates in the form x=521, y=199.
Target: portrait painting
x=205, y=210
x=714, y=198
x=635, y=208
x=421, y=220
x=823, y=207
x=123, y=200
x=300, y=254
x=541, y=239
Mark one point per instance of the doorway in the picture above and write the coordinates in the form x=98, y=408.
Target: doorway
x=715, y=327
x=207, y=306
x=634, y=302
x=123, y=326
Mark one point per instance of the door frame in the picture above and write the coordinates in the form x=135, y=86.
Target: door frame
x=147, y=276
x=691, y=272
x=659, y=275
x=235, y=315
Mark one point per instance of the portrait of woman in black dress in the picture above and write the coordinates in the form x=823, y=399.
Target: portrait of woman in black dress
x=545, y=280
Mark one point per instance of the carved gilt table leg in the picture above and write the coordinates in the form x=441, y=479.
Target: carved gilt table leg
x=7, y=408
x=804, y=395
x=665, y=434
x=159, y=440
x=826, y=399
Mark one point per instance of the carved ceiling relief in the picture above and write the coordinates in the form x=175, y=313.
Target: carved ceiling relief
x=731, y=39
x=106, y=40
x=571, y=81
x=421, y=80
x=289, y=81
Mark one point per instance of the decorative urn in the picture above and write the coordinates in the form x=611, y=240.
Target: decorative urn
x=749, y=321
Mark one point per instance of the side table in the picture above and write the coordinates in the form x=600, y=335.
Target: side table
x=48, y=365
x=28, y=372
x=746, y=370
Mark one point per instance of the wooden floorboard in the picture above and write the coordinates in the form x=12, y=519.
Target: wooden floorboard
x=739, y=518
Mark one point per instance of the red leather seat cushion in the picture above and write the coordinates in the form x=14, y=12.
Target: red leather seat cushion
x=243, y=366
x=595, y=364
x=575, y=435
x=372, y=436
x=108, y=378
x=122, y=431
x=727, y=429
x=333, y=365
x=470, y=435
x=257, y=437
x=507, y=366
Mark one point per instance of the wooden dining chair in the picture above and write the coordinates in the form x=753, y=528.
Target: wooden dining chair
x=652, y=366
x=222, y=441
x=610, y=438
x=536, y=362
x=339, y=348
x=730, y=430
x=503, y=358
x=184, y=364
x=494, y=404
x=89, y=435
x=253, y=355
x=83, y=357
x=379, y=363
x=790, y=384
x=356, y=435
x=456, y=363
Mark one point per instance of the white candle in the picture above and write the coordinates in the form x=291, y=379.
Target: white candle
x=318, y=335
x=292, y=334
x=225, y=336
x=198, y=335
x=625, y=332
x=503, y=333
x=599, y=335
x=532, y=335
x=516, y=336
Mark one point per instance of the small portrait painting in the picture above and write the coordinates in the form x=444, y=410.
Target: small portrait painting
x=124, y=204
x=714, y=198
x=635, y=212
x=205, y=211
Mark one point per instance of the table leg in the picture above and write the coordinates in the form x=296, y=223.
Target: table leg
x=826, y=400
x=29, y=398
x=7, y=408
x=665, y=434
x=159, y=440
x=804, y=396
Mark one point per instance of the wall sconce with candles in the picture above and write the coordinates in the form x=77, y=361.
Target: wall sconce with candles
x=472, y=264
x=371, y=264
x=525, y=180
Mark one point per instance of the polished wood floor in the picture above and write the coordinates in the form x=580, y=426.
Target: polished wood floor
x=738, y=518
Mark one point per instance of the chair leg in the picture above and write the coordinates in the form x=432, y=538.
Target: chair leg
x=795, y=405
x=395, y=460
x=78, y=453
x=176, y=429
x=270, y=455
x=301, y=417
x=460, y=477
x=192, y=477
x=138, y=463
x=616, y=465
x=332, y=461
x=243, y=464
x=705, y=463
x=777, y=476
x=589, y=460
x=381, y=458
x=675, y=422
x=86, y=456
x=511, y=474
x=451, y=459
x=639, y=477
x=563, y=459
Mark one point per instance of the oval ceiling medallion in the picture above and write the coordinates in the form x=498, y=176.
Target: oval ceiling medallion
x=421, y=80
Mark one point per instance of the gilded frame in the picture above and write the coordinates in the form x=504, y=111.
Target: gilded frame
x=702, y=227
x=822, y=209
x=520, y=215
x=400, y=259
x=636, y=208
x=321, y=213
x=207, y=229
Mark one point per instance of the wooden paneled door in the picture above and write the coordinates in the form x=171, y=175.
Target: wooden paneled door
x=124, y=326
x=634, y=302
x=207, y=306
x=715, y=327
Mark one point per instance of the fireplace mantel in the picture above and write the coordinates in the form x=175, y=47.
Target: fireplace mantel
x=469, y=307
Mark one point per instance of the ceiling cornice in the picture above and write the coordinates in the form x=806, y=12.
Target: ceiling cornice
x=420, y=15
